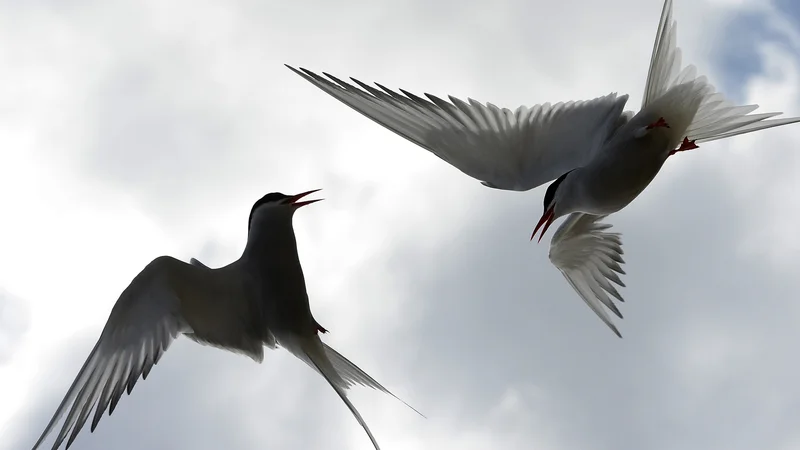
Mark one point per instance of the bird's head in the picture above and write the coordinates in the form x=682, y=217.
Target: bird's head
x=553, y=205
x=276, y=204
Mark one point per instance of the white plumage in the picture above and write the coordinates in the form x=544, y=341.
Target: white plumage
x=600, y=156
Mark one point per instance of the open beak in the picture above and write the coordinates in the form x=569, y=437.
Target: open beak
x=546, y=220
x=293, y=200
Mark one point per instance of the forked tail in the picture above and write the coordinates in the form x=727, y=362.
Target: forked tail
x=340, y=373
x=351, y=373
x=316, y=357
x=716, y=117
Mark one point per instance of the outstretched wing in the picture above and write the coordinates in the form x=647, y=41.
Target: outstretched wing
x=716, y=117
x=517, y=150
x=143, y=323
x=590, y=258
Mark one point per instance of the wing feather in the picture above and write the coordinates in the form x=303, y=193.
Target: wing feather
x=716, y=117
x=142, y=324
x=590, y=258
x=517, y=150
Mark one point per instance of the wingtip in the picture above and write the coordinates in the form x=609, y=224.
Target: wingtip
x=409, y=406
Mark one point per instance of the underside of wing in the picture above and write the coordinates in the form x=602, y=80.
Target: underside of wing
x=716, y=117
x=512, y=150
x=590, y=258
x=142, y=325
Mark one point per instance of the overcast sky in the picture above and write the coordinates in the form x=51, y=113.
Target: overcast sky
x=132, y=129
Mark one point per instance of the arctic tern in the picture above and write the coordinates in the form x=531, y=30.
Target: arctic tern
x=258, y=300
x=600, y=156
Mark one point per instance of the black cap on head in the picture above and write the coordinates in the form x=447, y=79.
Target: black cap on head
x=551, y=190
x=272, y=197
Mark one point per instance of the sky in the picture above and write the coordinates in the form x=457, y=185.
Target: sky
x=133, y=129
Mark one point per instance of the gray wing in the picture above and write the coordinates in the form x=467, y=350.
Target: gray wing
x=513, y=150
x=590, y=258
x=142, y=325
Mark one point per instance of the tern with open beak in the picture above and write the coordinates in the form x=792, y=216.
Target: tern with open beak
x=258, y=300
x=600, y=156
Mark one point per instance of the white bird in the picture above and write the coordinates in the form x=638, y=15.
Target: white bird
x=259, y=299
x=600, y=157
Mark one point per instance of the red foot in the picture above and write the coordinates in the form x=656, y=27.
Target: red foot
x=685, y=145
x=658, y=123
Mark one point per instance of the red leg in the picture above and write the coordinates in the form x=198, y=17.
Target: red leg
x=658, y=123
x=685, y=145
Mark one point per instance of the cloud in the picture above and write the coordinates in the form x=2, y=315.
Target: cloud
x=14, y=322
x=150, y=128
x=697, y=325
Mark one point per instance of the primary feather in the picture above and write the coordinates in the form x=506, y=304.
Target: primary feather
x=590, y=258
x=142, y=325
x=512, y=150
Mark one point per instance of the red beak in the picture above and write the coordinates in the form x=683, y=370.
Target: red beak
x=546, y=220
x=293, y=200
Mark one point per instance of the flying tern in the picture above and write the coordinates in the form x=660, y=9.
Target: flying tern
x=600, y=156
x=258, y=300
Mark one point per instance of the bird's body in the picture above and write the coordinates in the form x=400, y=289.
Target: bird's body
x=258, y=300
x=598, y=157
x=219, y=307
x=626, y=164
x=290, y=309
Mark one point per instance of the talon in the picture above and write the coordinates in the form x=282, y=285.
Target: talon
x=320, y=329
x=658, y=123
x=685, y=145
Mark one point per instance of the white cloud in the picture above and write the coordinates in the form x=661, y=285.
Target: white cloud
x=136, y=129
x=14, y=317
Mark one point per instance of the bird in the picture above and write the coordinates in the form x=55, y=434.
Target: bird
x=257, y=301
x=597, y=156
